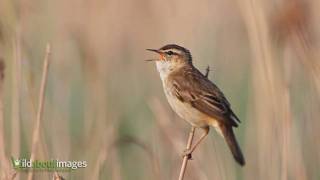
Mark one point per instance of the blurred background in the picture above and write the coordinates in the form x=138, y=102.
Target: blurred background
x=104, y=104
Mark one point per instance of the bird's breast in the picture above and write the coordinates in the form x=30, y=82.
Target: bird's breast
x=184, y=109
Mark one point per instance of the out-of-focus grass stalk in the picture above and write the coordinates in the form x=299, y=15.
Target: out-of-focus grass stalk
x=286, y=123
x=268, y=96
x=308, y=58
x=56, y=176
x=104, y=153
x=95, y=106
x=30, y=91
x=36, y=131
x=4, y=163
x=292, y=23
x=16, y=87
x=116, y=167
x=289, y=155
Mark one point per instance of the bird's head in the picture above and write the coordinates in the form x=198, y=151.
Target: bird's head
x=173, y=53
x=171, y=57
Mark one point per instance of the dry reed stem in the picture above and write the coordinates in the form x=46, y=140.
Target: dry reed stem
x=186, y=158
x=290, y=152
x=268, y=92
x=36, y=130
x=286, y=122
x=105, y=151
x=15, y=112
x=16, y=86
x=4, y=164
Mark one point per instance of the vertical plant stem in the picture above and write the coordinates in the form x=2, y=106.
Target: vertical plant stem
x=36, y=130
x=4, y=164
x=15, y=105
x=186, y=158
x=16, y=86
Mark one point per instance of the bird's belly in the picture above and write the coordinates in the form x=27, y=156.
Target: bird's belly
x=188, y=113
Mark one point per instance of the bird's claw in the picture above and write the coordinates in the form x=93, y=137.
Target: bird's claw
x=187, y=153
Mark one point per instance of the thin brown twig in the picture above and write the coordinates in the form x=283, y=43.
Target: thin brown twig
x=186, y=158
x=207, y=71
x=36, y=130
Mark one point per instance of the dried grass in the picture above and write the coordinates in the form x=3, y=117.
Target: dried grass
x=37, y=128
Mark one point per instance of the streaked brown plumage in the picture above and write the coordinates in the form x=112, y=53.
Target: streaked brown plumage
x=195, y=98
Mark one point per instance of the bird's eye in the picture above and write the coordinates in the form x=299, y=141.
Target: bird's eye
x=169, y=52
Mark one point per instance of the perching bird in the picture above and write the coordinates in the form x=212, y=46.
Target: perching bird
x=195, y=98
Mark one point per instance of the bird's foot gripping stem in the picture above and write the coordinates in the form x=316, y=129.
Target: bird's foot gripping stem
x=187, y=153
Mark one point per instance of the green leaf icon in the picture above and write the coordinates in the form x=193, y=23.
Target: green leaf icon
x=15, y=162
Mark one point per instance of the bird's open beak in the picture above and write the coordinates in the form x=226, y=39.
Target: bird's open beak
x=156, y=51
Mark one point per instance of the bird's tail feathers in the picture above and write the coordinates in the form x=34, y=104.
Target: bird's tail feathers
x=234, y=147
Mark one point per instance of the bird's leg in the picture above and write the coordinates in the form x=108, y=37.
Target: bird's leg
x=188, y=152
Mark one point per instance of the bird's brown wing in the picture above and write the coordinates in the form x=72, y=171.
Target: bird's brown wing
x=192, y=87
